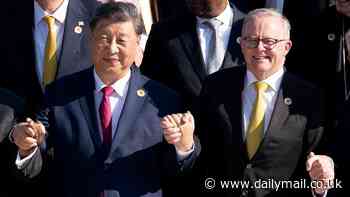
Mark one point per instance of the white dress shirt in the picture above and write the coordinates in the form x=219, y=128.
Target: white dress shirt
x=117, y=99
x=205, y=33
x=41, y=30
x=249, y=96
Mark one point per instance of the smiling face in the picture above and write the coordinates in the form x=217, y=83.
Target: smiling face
x=114, y=47
x=262, y=61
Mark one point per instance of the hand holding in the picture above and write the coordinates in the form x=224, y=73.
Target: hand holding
x=178, y=130
x=321, y=169
x=28, y=135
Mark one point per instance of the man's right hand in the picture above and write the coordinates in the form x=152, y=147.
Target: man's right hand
x=27, y=136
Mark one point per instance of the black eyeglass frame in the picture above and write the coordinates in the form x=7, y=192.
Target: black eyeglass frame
x=268, y=43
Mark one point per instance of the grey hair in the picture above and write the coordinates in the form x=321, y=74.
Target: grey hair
x=267, y=12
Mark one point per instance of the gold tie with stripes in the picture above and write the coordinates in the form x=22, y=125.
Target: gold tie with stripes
x=50, y=59
x=256, y=125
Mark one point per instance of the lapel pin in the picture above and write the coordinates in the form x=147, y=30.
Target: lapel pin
x=78, y=29
x=140, y=93
x=238, y=40
x=81, y=23
x=331, y=37
x=288, y=101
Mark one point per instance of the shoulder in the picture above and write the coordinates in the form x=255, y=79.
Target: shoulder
x=298, y=82
x=83, y=7
x=227, y=76
x=174, y=26
x=154, y=87
x=9, y=101
x=224, y=84
x=70, y=87
x=300, y=90
x=164, y=98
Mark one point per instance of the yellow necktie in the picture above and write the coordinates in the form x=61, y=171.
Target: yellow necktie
x=50, y=61
x=256, y=125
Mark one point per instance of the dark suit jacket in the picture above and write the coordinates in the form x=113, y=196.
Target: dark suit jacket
x=173, y=55
x=293, y=132
x=11, y=108
x=139, y=162
x=18, y=50
x=339, y=147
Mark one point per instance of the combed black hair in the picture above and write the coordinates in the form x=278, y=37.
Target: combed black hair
x=118, y=12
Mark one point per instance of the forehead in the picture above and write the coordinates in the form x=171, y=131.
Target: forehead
x=111, y=26
x=267, y=26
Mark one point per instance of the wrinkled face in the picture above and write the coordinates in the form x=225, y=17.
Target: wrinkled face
x=207, y=8
x=343, y=7
x=272, y=45
x=114, y=46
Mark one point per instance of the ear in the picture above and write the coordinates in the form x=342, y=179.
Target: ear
x=138, y=39
x=287, y=47
x=239, y=41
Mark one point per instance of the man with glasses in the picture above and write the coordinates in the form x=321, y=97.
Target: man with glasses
x=266, y=123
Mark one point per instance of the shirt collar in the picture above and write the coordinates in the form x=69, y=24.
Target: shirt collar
x=120, y=86
x=274, y=81
x=59, y=14
x=226, y=17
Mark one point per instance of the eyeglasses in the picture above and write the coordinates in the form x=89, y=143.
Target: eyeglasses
x=268, y=43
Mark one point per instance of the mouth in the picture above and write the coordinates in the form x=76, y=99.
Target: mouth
x=111, y=59
x=261, y=58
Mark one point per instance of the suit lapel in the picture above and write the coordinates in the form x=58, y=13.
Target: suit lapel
x=38, y=88
x=87, y=104
x=279, y=115
x=233, y=55
x=190, y=43
x=132, y=106
x=76, y=17
x=280, y=112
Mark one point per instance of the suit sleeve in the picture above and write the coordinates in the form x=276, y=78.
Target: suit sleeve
x=315, y=125
x=151, y=63
x=33, y=164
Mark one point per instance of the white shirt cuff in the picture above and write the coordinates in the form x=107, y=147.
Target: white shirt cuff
x=21, y=163
x=182, y=155
x=314, y=194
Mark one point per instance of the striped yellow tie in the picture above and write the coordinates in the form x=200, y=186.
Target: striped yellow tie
x=50, y=61
x=256, y=125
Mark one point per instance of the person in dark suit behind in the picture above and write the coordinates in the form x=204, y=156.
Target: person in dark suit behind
x=104, y=122
x=333, y=35
x=338, y=147
x=264, y=121
x=25, y=41
x=11, y=110
x=177, y=51
x=23, y=49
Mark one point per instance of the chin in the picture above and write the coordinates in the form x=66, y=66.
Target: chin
x=262, y=67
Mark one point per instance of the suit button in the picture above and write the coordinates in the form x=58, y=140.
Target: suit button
x=249, y=165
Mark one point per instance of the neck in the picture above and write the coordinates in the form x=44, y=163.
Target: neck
x=262, y=76
x=111, y=76
x=49, y=5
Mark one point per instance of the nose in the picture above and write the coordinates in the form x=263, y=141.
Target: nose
x=260, y=45
x=113, y=48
